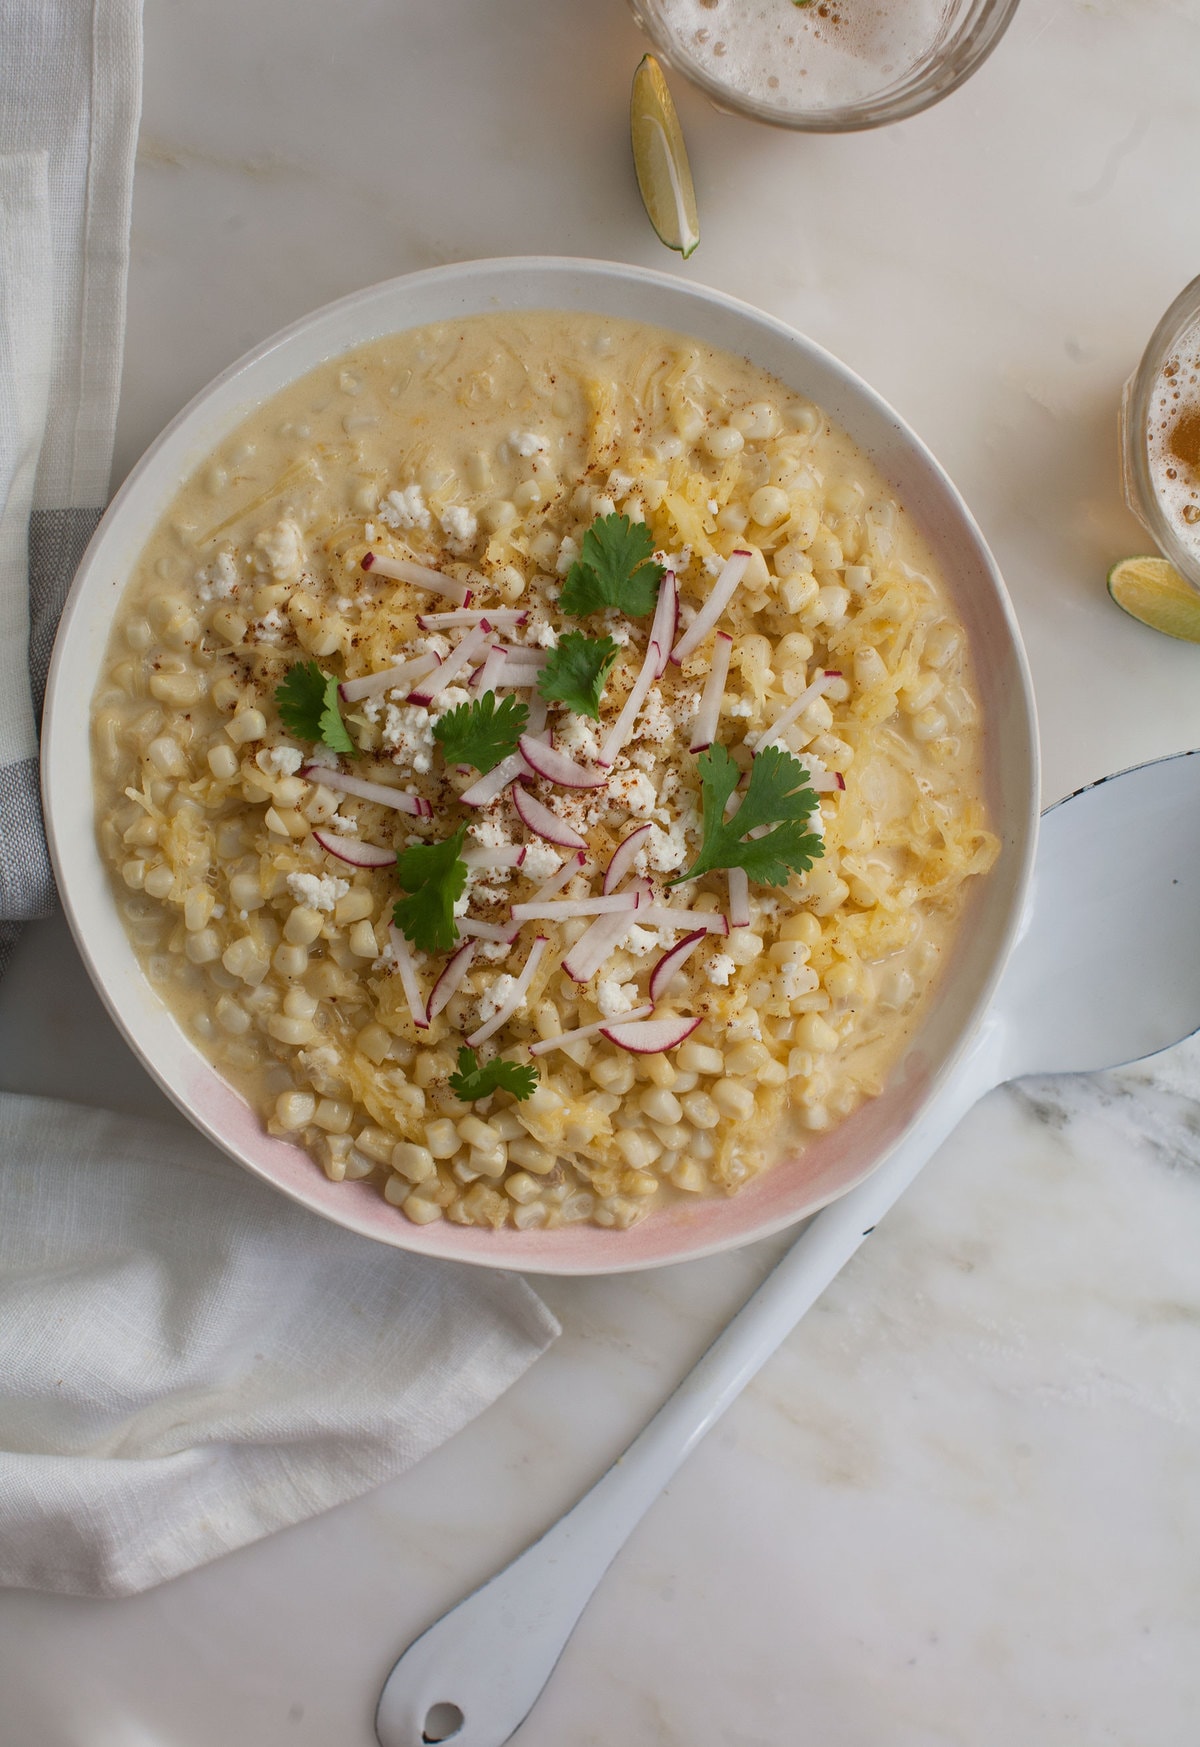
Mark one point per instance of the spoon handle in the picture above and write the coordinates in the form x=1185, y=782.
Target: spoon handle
x=477, y=1672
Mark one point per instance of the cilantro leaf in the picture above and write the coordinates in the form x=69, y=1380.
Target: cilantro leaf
x=778, y=795
x=307, y=701
x=614, y=569
x=482, y=732
x=434, y=876
x=472, y=1081
x=575, y=672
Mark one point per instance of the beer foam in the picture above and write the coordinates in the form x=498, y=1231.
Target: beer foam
x=1173, y=439
x=799, y=58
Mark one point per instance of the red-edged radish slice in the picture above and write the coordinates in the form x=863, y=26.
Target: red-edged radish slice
x=556, y=767
x=519, y=991
x=478, y=855
x=398, y=678
x=453, y=972
x=622, y=728
x=604, y=936
x=624, y=856
x=567, y=909
x=739, y=898
x=420, y=575
x=672, y=962
x=382, y=793
x=489, y=786
x=650, y=1036
x=357, y=854
x=467, y=646
x=570, y=867
x=704, y=728
x=821, y=780
x=721, y=593
x=490, y=675
x=581, y=1031
x=663, y=916
x=538, y=709
x=408, y=977
x=501, y=933
x=665, y=622
x=543, y=822
x=503, y=618
x=796, y=708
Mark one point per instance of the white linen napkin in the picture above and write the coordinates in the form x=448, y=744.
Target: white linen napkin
x=188, y=1361
x=70, y=95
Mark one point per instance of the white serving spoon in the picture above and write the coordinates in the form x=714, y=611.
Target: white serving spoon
x=1106, y=972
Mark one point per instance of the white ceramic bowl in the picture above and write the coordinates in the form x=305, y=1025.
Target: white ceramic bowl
x=831, y=1163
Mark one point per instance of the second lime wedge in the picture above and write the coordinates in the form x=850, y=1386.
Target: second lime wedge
x=661, y=161
x=1153, y=592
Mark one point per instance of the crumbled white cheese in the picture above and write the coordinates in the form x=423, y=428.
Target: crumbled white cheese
x=666, y=850
x=527, y=443
x=432, y=643
x=720, y=968
x=219, y=580
x=655, y=722
x=633, y=790
x=640, y=941
x=286, y=760
x=578, y=737
x=458, y=524
x=613, y=997
x=318, y=891
x=738, y=707
x=568, y=552
x=405, y=508
x=270, y=628
x=448, y=700
x=540, y=631
x=495, y=995
x=541, y=860
x=683, y=707
x=408, y=731
x=324, y=755
x=797, y=980
x=490, y=833
x=713, y=506
x=283, y=549
x=714, y=563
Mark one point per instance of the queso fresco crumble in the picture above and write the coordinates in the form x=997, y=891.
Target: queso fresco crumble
x=539, y=765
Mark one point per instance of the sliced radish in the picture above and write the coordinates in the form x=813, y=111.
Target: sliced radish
x=603, y=937
x=704, y=728
x=467, y=646
x=739, y=898
x=556, y=767
x=567, y=909
x=503, y=618
x=489, y=786
x=398, y=678
x=349, y=849
x=455, y=969
x=517, y=996
x=502, y=933
x=538, y=708
x=488, y=677
x=381, y=793
x=666, y=619
x=624, y=856
x=623, y=726
x=796, y=708
x=570, y=867
x=650, y=1036
x=663, y=916
x=507, y=855
x=544, y=822
x=721, y=593
x=581, y=1031
x=821, y=780
x=420, y=575
x=672, y=962
x=408, y=977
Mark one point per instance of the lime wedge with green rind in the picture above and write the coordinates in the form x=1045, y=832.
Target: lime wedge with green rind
x=660, y=159
x=1153, y=592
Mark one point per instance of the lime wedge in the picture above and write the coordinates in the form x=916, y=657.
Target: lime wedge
x=661, y=161
x=1152, y=591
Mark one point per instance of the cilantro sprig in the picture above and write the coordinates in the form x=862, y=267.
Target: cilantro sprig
x=434, y=876
x=483, y=732
x=614, y=569
x=307, y=701
x=575, y=672
x=472, y=1081
x=778, y=795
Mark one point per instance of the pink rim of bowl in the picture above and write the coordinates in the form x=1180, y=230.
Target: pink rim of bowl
x=829, y=1164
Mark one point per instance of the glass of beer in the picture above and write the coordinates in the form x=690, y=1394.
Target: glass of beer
x=1160, y=436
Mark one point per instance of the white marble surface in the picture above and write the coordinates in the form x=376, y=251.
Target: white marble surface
x=960, y=1506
